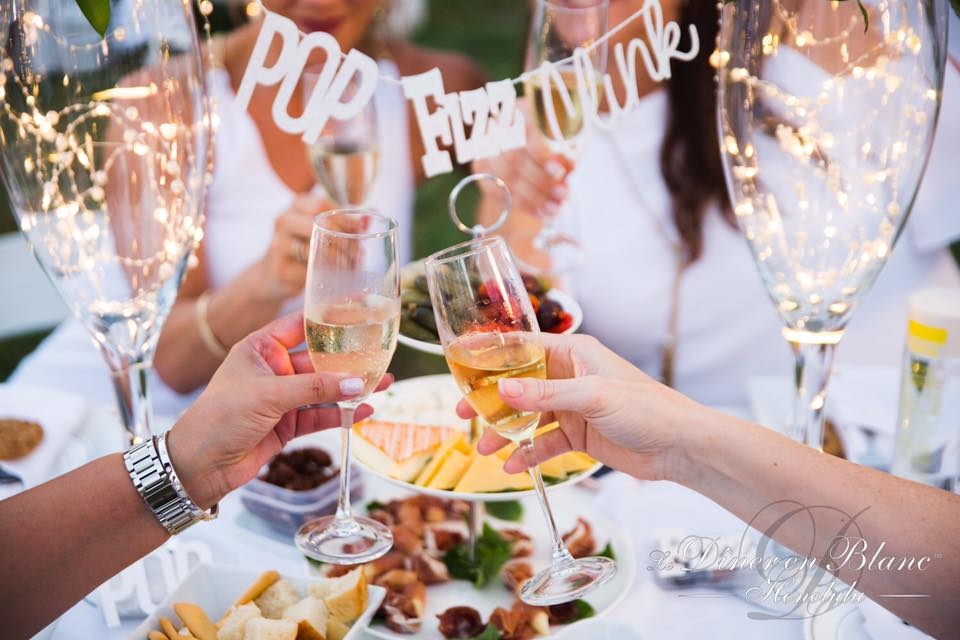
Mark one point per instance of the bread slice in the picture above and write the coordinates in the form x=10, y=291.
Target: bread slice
x=263, y=629
x=311, y=615
x=234, y=625
x=399, y=449
x=345, y=597
x=277, y=597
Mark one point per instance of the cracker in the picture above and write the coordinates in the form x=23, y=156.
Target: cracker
x=18, y=438
x=196, y=620
x=169, y=629
x=255, y=590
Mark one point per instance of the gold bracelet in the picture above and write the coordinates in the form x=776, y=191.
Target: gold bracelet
x=210, y=340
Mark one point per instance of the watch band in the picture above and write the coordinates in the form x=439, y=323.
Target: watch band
x=155, y=479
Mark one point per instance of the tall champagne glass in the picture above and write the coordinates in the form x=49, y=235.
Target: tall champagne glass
x=558, y=28
x=104, y=157
x=826, y=120
x=346, y=155
x=351, y=316
x=489, y=332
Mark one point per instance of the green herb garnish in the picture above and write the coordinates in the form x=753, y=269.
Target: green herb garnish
x=374, y=505
x=492, y=552
x=608, y=552
x=489, y=633
x=509, y=510
x=584, y=610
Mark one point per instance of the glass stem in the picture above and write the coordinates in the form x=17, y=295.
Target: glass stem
x=129, y=377
x=344, y=521
x=561, y=558
x=814, y=362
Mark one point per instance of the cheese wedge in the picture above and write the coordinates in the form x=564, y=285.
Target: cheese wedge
x=485, y=475
x=554, y=468
x=398, y=449
x=458, y=442
x=452, y=469
x=576, y=461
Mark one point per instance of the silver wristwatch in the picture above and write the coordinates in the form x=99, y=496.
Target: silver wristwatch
x=156, y=481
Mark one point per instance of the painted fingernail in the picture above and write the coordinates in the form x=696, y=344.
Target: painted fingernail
x=351, y=386
x=510, y=387
x=559, y=192
x=554, y=168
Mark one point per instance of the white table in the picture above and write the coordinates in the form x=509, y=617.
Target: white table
x=643, y=509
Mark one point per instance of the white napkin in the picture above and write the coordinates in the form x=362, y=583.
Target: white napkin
x=59, y=413
x=883, y=625
x=863, y=403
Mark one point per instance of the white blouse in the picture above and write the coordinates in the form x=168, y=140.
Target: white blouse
x=727, y=328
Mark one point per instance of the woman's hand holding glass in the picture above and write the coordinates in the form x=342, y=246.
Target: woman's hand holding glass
x=490, y=336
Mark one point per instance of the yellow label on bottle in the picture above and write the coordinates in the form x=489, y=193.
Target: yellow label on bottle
x=935, y=335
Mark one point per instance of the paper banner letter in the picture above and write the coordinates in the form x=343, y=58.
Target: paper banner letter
x=507, y=131
x=257, y=71
x=433, y=126
x=323, y=106
x=291, y=82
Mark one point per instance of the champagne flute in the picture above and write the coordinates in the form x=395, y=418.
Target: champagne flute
x=351, y=317
x=104, y=157
x=489, y=332
x=346, y=155
x=826, y=121
x=558, y=28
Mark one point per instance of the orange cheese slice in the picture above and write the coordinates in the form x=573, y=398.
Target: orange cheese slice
x=398, y=449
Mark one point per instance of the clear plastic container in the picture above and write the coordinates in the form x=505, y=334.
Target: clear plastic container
x=285, y=510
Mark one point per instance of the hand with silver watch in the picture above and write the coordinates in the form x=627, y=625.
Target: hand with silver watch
x=69, y=535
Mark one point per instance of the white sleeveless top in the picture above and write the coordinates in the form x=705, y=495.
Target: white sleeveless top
x=727, y=328
x=242, y=203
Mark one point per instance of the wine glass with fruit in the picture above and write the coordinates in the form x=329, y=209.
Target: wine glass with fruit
x=352, y=311
x=489, y=332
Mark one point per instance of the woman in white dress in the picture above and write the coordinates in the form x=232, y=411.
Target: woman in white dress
x=667, y=280
x=250, y=267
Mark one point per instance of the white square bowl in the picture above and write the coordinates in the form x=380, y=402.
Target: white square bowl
x=215, y=587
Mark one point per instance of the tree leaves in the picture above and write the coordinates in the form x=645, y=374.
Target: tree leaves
x=97, y=13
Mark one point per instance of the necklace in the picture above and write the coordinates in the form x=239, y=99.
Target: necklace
x=681, y=262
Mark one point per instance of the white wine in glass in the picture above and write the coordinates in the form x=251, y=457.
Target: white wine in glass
x=346, y=155
x=489, y=332
x=351, y=316
x=558, y=28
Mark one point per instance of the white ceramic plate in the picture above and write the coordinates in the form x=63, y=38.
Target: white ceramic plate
x=569, y=305
x=432, y=400
x=460, y=593
x=215, y=587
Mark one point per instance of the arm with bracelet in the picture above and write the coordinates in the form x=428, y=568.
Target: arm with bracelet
x=66, y=537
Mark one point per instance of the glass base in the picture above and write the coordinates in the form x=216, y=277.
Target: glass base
x=569, y=583
x=360, y=541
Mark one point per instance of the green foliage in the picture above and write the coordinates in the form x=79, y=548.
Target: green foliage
x=493, y=550
x=608, y=552
x=584, y=610
x=489, y=633
x=97, y=13
x=509, y=510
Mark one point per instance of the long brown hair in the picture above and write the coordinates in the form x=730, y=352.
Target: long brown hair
x=690, y=155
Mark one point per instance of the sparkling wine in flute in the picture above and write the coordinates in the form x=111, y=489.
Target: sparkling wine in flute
x=478, y=362
x=570, y=122
x=355, y=337
x=347, y=171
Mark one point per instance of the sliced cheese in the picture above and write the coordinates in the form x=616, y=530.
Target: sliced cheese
x=458, y=442
x=576, y=461
x=452, y=469
x=554, y=468
x=485, y=475
x=398, y=449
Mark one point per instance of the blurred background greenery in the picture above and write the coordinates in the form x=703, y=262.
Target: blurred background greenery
x=493, y=37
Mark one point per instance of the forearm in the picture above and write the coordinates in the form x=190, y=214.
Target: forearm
x=183, y=360
x=66, y=537
x=761, y=477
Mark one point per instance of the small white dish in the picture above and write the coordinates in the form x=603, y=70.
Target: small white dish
x=215, y=587
x=565, y=300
